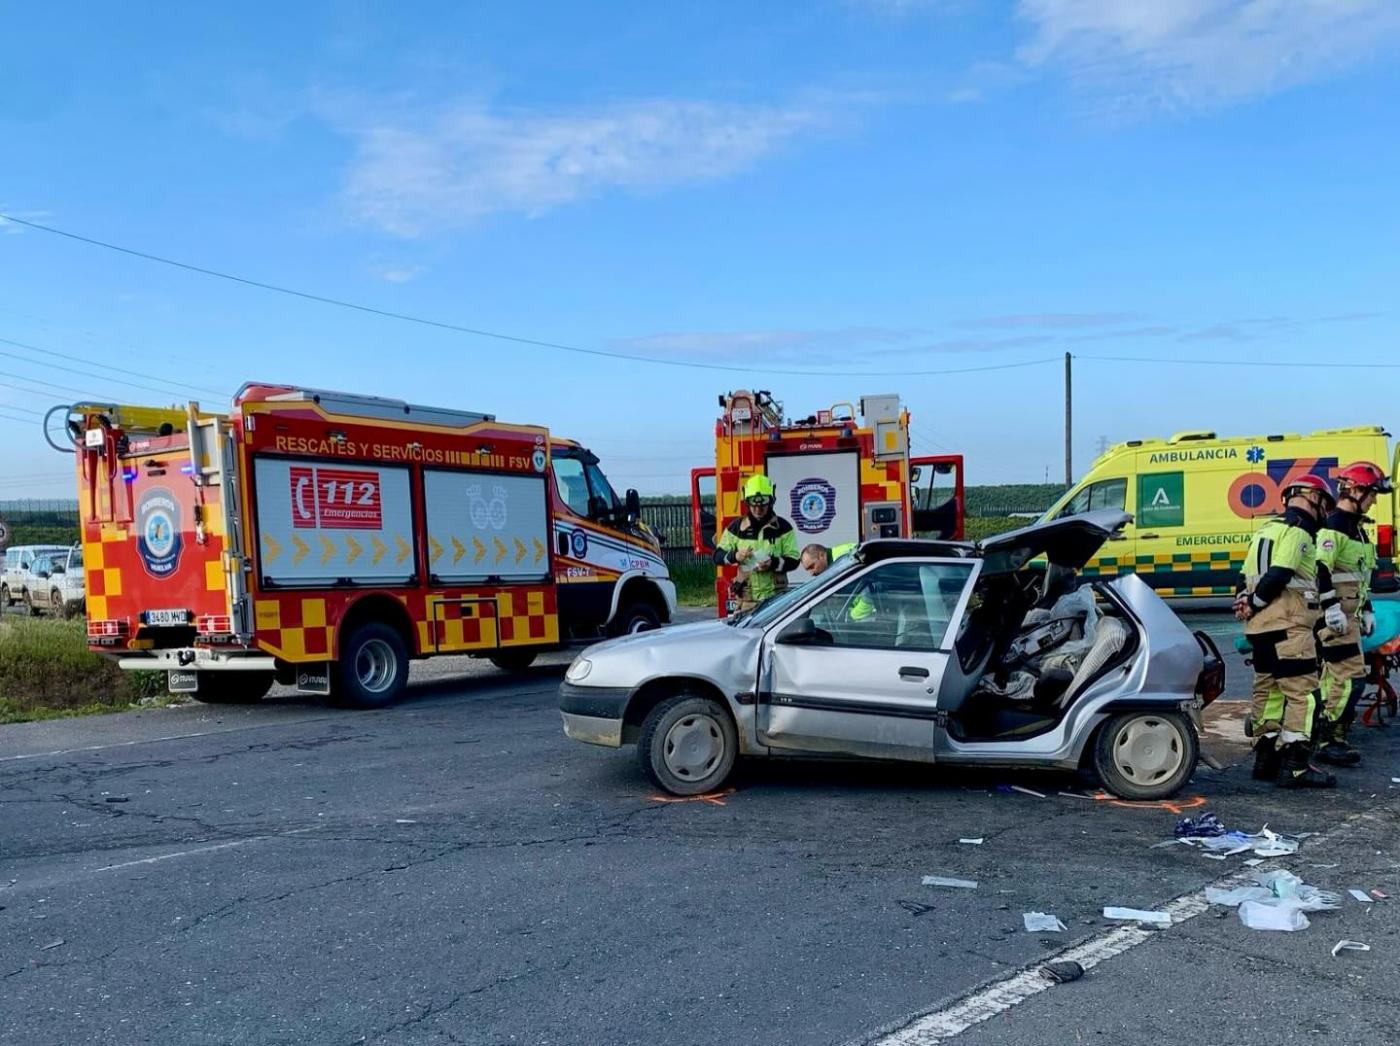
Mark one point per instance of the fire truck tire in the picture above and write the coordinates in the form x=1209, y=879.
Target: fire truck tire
x=636, y=616
x=233, y=688
x=373, y=668
x=513, y=660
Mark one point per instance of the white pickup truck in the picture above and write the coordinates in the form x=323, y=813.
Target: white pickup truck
x=55, y=583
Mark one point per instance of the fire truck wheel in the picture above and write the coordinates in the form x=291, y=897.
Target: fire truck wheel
x=688, y=744
x=373, y=668
x=637, y=616
x=513, y=660
x=232, y=688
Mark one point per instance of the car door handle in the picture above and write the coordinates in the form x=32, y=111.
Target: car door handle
x=916, y=673
x=1149, y=535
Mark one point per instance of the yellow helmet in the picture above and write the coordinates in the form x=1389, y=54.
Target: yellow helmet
x=758, y=486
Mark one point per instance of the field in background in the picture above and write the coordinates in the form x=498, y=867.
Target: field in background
x=46, y=671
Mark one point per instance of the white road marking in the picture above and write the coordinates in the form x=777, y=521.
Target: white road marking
x=1000, y=996
x=157, y=740
x=202, y=850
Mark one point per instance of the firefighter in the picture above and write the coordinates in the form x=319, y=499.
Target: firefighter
x=1279, y=605
x=761, y=543
x=1345, y=549
x=816, y=558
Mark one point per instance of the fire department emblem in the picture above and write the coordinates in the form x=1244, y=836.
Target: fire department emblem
x=813, y=505
x=487, y=514
x=537, y=459
x=158, y=533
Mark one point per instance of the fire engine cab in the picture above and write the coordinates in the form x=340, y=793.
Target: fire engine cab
x=323, y=539
x=840, y=476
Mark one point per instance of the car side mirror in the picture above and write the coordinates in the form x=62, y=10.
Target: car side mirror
x=58, y=568
x=634, y=507
x=914, y=474
x=41, y=573
x=804, y=632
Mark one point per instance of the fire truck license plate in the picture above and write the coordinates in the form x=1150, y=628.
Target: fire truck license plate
x=167, y=617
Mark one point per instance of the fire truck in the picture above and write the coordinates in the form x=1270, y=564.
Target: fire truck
x=323, y=540
x=840, y=476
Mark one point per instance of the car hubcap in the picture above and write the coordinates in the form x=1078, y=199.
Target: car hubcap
x=638, y=624
x=694, y=747
x=1148, y=750
x=374, y=666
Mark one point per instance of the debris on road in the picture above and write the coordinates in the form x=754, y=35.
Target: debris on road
x=954, y=884
x=1380, y=896
x=1161, y=920
x=117, y=799
x=1362, y=896
x=1039, y=922
x=1260, y=915
x=1207, y=825
x=973, y=842
x=1028, y=791
x=1349, y=946
x=53, y=944
x=915, y=908
x=1062, y=972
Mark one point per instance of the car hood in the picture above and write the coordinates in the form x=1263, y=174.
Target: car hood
x=1067, y=542
x=711, y=650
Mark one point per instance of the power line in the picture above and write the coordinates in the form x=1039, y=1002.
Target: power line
x=497, y=335
x=80, y=373
x=22, y=410
x=100, y=366
x=32, y=392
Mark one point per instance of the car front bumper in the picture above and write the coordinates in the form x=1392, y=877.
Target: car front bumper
x=593, y=714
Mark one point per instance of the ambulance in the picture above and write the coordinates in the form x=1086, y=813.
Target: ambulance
x=1197, y=499
x=840, y=475
x=324, y=539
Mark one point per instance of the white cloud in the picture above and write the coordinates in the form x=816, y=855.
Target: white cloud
x=1054, y=320
x=469, y=162
x=1184, y=54
x=398, y=273
x=777, y=341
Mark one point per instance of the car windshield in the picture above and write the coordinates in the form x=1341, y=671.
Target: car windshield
x=776, y=605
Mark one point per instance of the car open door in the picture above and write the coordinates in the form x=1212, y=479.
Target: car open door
x=856, y=670
x=1067, y=541
x=936, y=497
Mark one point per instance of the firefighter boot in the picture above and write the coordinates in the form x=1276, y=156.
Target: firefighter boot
x=1266, y=759
x=1330, y=744
x=1295, y=771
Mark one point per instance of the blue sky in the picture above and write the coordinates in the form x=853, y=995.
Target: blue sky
x=862, y=186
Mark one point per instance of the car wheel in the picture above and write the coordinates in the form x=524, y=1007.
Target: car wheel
x=5, y=600
x=29, y=606
x=688, y=745
x=232, y=688
x=1146, y=755
x=513, y=660
x=637, y=616
x=373, y=668
x=72, y=610
x=56, y=604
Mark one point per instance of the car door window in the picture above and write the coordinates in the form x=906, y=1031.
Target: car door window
x=571, y=483
x=602, y=490
x=894, y=606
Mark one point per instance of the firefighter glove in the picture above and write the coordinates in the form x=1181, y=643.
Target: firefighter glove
x=1336, y=619
x=1368, y=622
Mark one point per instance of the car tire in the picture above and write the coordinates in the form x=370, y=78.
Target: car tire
x=232, y=688
x=636, y=616
x=5, y=601
x=1146, y=755
x=29, y=607
x=513, y=660
x=56, y=605
x=373, y=668
x=688, y=745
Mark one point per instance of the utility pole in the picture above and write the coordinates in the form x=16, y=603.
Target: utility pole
x=1069, y=421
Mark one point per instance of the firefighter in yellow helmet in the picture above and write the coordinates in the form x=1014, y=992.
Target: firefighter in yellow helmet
x=1345, y=549
x=1280, y=608
x=761, y=544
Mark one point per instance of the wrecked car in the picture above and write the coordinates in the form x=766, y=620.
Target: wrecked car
x=989, y=654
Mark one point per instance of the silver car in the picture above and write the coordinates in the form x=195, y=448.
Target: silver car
x=989, y=654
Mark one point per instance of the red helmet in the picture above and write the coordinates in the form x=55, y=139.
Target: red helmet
x=1307, y=482
x=1364, y=476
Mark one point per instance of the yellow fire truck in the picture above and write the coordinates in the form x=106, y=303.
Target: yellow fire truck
x=840, y=476
x=323, y=539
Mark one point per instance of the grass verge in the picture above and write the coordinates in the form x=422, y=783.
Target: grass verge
x=695, y=583
x=47, y=672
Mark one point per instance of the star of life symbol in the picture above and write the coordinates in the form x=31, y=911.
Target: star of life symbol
x=1254, y=455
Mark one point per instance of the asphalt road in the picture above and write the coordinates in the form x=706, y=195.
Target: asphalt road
x=453, y=870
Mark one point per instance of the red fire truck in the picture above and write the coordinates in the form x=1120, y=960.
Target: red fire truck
x=839, y=478
x=323, y=539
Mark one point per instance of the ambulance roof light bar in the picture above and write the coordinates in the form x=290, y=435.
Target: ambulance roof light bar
x=365, y=406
